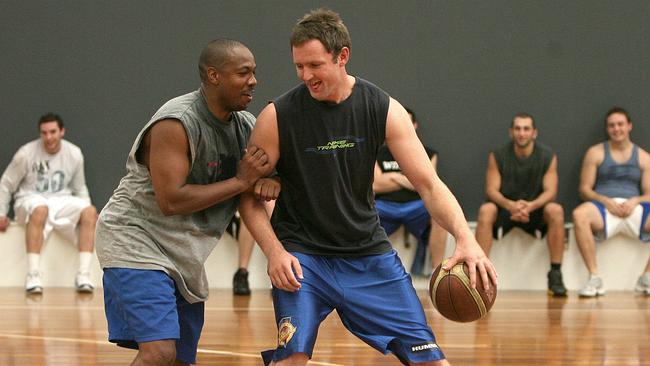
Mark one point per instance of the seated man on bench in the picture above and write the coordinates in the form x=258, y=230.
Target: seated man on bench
x=615, y=184
x=47, y=177
x=521, y=185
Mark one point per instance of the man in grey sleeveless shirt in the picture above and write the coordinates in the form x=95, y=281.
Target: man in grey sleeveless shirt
x=521, y=185
x=615, y=185
x=185, y=172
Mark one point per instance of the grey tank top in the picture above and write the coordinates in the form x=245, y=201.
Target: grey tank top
x=619, y=180
x=132, y=232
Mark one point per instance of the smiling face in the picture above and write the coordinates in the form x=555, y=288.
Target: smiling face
x=51, y=135
x=236, y=80
x=323, y=74
x=618, y=127
x=523, y=132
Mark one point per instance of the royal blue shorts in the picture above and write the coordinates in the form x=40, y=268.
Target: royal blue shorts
x=417, y=221
x=374, y=298
x=413, y=215
x=144, y=306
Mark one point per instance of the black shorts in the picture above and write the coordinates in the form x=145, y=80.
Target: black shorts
x=534, y=225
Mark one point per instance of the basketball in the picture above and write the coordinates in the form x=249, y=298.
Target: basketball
x=453, y=296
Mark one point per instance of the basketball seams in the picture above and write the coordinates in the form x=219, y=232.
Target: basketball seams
x=451, y=300
x=458, y=301
x=459, y=272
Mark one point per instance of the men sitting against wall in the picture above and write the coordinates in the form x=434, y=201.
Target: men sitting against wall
x=521, y=185
x=399, y=204
x=47, y=177
x=615, y=184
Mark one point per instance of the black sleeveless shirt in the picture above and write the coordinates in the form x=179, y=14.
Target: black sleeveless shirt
x=523, y=178
x=327, y=158
x=387, y=163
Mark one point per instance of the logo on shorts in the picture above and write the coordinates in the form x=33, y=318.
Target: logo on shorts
x=285, y=331
x=424, y=347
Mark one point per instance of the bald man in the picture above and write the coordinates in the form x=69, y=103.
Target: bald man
x=185, y=172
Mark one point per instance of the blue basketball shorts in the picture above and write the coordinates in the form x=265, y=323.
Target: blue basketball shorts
x=413, y=215
x=374, y=298
x=632, y=226
x=144, y=306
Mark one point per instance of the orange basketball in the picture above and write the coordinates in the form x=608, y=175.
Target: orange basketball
x=455, y=299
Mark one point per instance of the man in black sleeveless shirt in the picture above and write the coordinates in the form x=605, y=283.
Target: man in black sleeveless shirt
x=521, y=184
x=399, y=204
x=326, y=249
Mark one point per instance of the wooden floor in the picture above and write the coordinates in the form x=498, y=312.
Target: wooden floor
x=61, y=327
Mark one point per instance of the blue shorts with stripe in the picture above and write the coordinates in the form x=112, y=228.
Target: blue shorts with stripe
x=144, y=306
x=632, y=224
x=373, y=296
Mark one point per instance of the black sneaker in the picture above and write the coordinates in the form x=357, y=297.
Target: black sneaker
x=240, y=282
x=555, y=284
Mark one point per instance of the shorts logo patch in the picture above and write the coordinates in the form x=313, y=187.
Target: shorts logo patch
x=424, y=347
x=285, y=331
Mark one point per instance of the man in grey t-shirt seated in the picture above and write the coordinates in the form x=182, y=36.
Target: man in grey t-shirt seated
x=521, y=185
x=47, y=182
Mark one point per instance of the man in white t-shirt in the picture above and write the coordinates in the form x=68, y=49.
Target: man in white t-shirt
x=47, y=181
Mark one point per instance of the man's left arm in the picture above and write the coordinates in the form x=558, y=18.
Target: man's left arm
x=549, y=186
x=439, y=201
x=644, y=165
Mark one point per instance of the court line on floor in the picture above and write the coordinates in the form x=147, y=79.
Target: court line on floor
x=31, y=307
x=107, y=343
x=311, y=362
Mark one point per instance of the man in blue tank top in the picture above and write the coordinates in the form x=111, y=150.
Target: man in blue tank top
x=325, y=248
x=521, y=185
x=615, y=185
x=399, y=204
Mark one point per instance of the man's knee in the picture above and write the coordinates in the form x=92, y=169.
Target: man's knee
x=157, y=352
x=88, y=216
x=582, y=216
x=554, y=214
x=487, y=214
x=39, y=215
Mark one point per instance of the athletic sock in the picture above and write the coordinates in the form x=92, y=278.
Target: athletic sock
x=556, y=266
x=84, y=261
x=33, y=262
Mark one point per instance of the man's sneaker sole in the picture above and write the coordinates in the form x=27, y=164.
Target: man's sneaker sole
x=85, y=289
x=599, y=293
x=563, y=294
x=34, y=290
x=642, y=291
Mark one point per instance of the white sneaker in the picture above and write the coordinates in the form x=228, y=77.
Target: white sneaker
x=593, y=288
x=82, y=282
x=33, y=283
x=643, y=284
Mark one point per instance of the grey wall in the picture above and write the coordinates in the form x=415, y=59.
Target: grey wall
x=465, y=67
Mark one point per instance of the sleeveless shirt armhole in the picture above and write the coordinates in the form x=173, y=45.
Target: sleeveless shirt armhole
x=190, y=139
